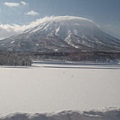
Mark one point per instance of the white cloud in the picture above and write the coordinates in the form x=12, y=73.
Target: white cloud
x=15, y=4
x=7, y=30
x=24, y=3
x=32, y=13
x=12, y=4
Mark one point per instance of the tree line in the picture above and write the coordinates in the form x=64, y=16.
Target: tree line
x=15, y=59
x=94, y=56
x=26, y=58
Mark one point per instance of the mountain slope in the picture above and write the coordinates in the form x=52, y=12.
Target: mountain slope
x=62, y=33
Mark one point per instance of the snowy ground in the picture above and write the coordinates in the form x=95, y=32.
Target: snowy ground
x=51, y=88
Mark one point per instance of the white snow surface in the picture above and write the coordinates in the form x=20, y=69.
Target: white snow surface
x=40, y=89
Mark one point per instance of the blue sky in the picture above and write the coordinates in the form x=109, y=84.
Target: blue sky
x=106, y=13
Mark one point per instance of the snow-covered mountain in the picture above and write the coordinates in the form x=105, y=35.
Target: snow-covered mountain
x=67, y=115
x=62, y=33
